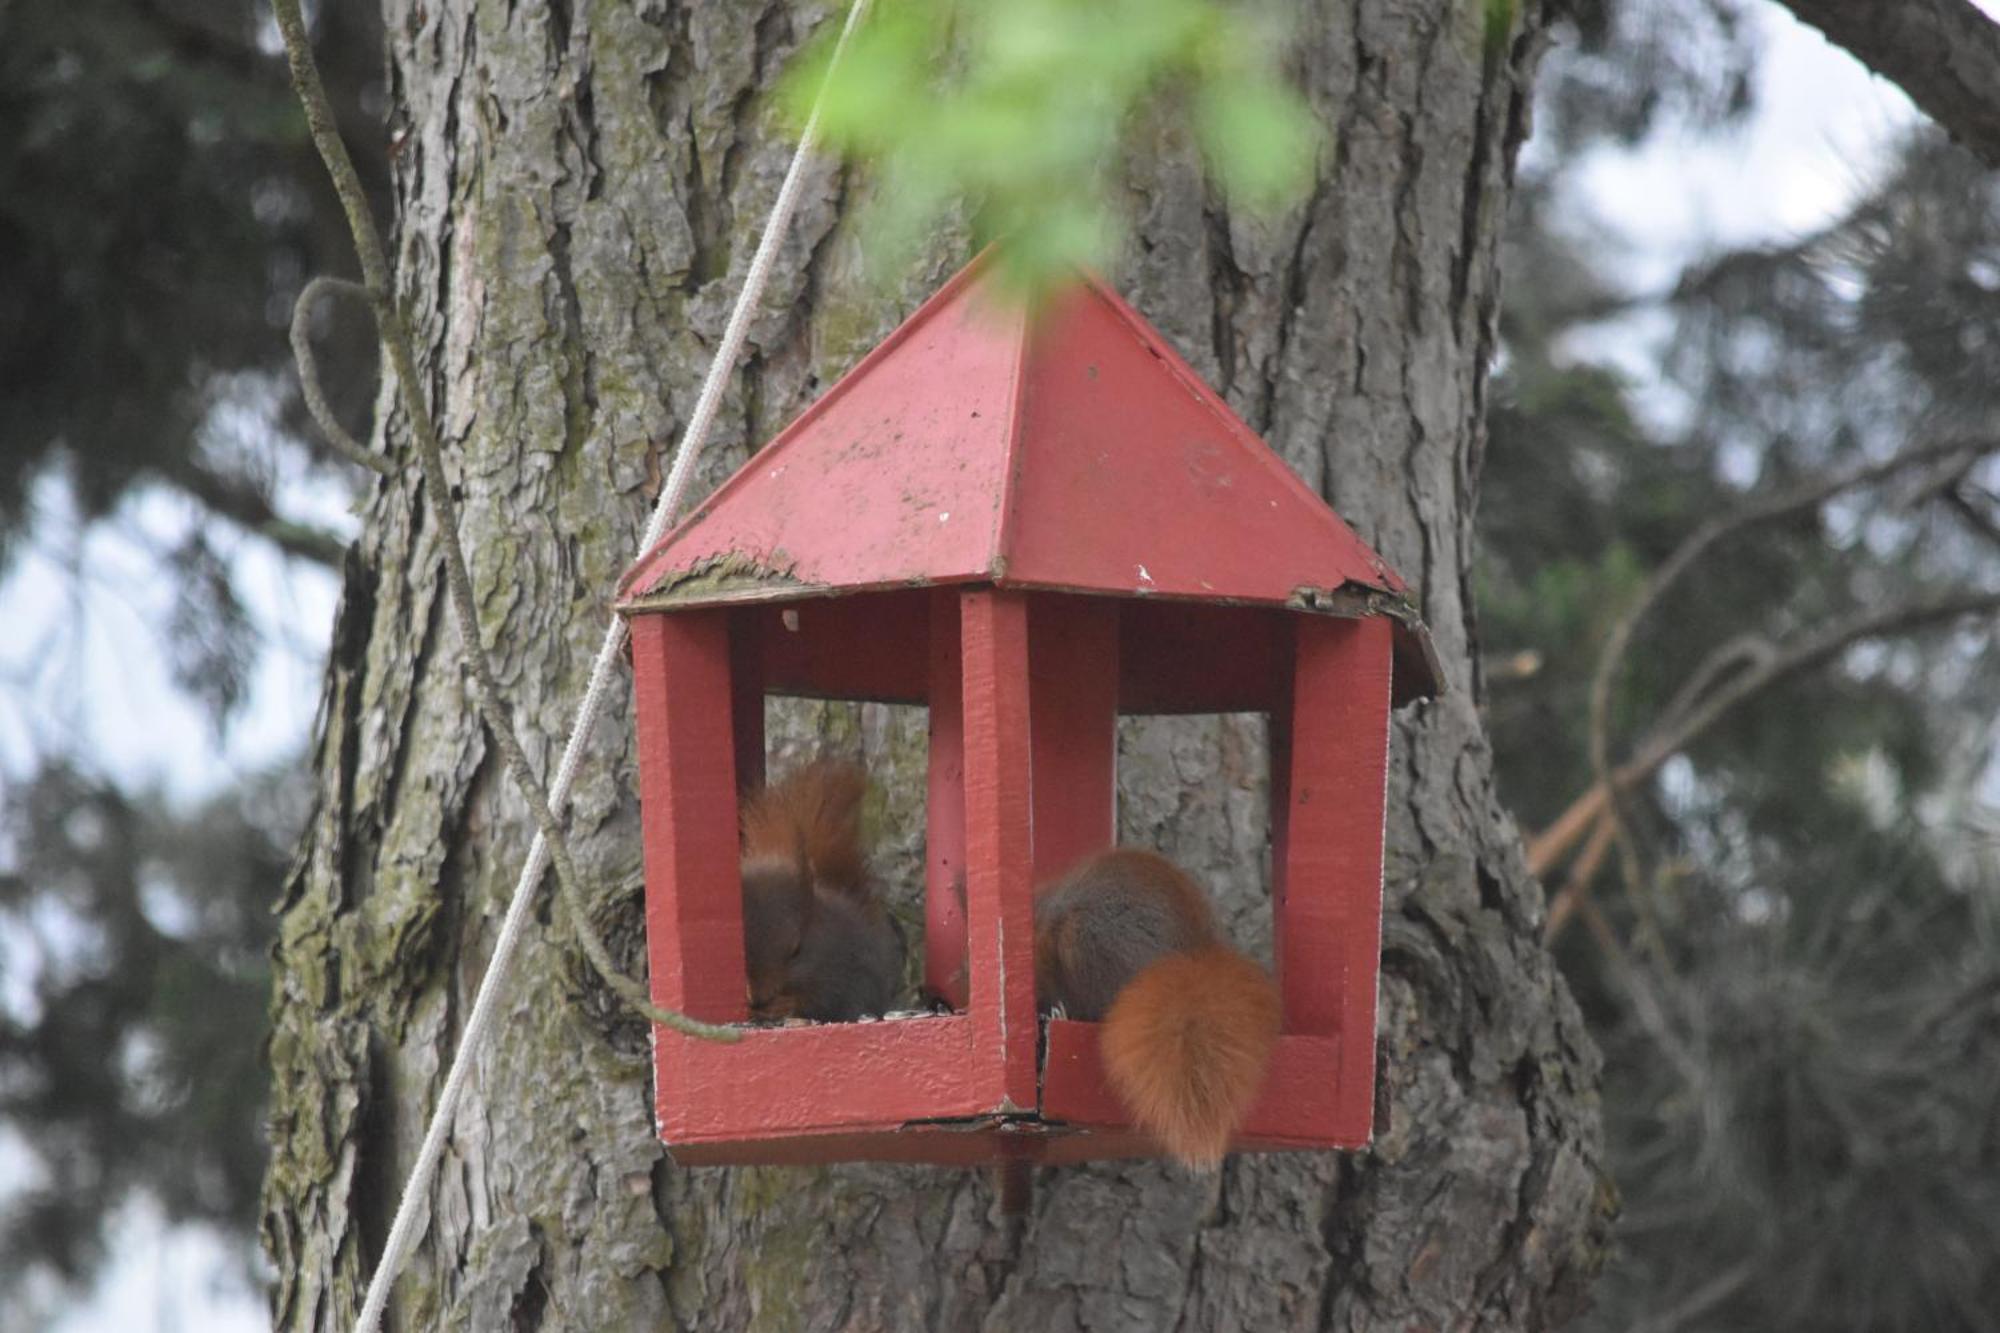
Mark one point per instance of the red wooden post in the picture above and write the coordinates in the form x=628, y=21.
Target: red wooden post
x=944, y=809
x=1279, y=745
x=746, y=697
x=1073, y=699
x=999, y=911
x=1327, y=843
x=687, y=766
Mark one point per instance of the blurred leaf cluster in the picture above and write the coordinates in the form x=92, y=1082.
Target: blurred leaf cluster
x=1017, y=111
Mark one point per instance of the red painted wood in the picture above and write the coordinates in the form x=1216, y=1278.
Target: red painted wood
x=993, y=628
x=687, y=772
x=746, y=700
x=821, y=1078
x=1031, y=725
x=1135, y=476
x=1327, y=846
x=944, y=809
x=984, y=1142
x=1184, y=657
x=1301, y=1103
x=1173, y=657
x=896, y=475
x=1279, y=744
x=1073, y=705
x=1073, y=452
x=901, y=471
x=868, y=646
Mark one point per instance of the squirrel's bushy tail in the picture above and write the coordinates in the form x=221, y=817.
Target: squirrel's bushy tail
x=1186, y=1044
x=812, y=815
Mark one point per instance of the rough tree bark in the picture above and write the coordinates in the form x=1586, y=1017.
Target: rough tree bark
x=577, y=188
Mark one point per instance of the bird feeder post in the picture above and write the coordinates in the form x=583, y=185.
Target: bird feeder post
x=1328, y=788
x=999, y=847
x=944, y=809
x=687, y=767
x=746, y=700
x=1073, y=701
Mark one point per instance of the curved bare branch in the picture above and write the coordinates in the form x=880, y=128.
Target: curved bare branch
x=1944, y=53
x=322, y=411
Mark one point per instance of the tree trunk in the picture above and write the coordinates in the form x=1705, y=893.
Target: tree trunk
x=578, y=189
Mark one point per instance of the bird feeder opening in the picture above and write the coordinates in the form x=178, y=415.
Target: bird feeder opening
x=1326, y=782
x=887, y=747
x=1224, y=799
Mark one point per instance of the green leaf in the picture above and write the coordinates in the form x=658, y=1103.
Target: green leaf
x=1019, y=113
x=1259, y=140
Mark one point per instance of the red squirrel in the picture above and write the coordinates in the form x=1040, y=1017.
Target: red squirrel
x=1128, y=940
x=817, y=941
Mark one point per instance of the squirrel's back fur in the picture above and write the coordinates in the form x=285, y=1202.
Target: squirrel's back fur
x=1128, y=940
x=813, y=815
x=818, y=942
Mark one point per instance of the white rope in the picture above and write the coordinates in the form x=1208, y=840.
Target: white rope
x=402, y=1233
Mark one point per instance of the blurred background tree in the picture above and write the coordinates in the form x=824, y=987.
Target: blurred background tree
x=131, y=1054
x=1790, y=965
x=160, y=206
x=1794, y=976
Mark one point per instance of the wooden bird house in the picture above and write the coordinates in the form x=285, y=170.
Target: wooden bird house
x=1030, y=525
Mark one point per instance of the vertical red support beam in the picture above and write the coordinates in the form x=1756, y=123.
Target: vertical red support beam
x=746, y=696
x=999, y=848
x=687, y=783
x=944, y=809
x=1073, y=699
x=1279, y=745
x=1327, y=844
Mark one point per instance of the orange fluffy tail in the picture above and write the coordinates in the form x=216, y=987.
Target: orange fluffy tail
x=1186, y=1044
x=813, y=815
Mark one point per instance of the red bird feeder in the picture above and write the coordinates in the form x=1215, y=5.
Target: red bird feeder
x=1030, y=525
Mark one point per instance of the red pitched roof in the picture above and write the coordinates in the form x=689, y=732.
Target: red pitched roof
x=1071, y=452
